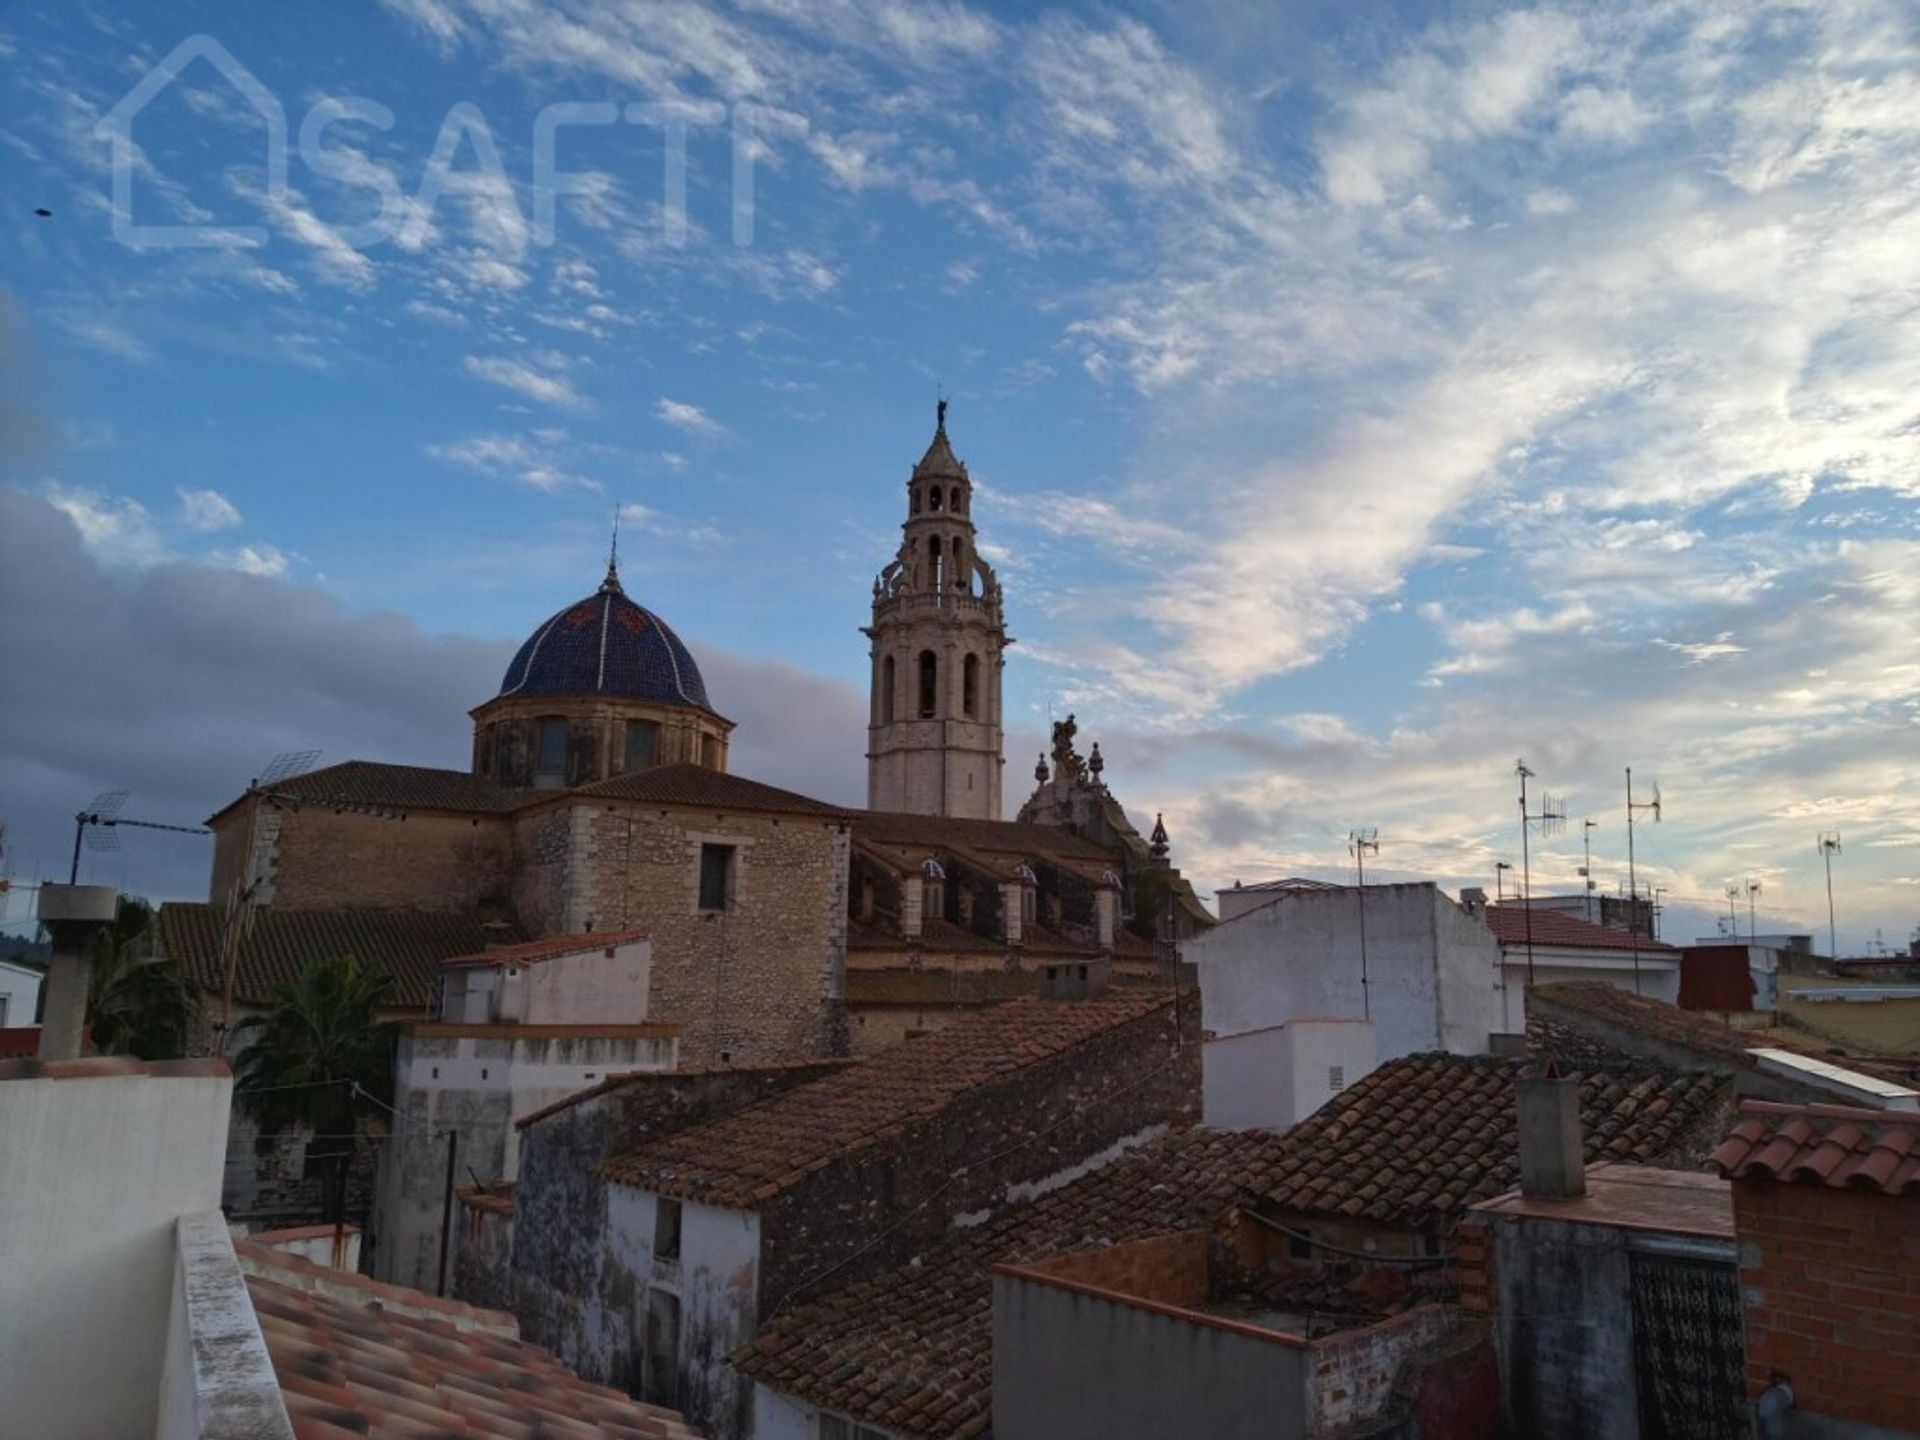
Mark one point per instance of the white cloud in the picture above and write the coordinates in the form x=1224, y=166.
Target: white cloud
x=207, y=510
x=266, y=560
x=535, y=381
x=115, y=528
x=537, y=460
x=689, y=418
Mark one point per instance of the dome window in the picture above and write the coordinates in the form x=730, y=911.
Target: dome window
x=643, y=745
x=550, y=766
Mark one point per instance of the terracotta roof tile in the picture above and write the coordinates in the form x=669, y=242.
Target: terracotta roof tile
x=1422, y=1138
x=1834, y=1145
x=410, y=945
x=1555, y=927
x=747, y=1157
x=886, y=830
x=534, y=951
x=911, y=1352
x=372, y=1361
x=697, y=785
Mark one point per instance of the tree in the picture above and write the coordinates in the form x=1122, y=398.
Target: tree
x=137, y=1004
x=320, y=1059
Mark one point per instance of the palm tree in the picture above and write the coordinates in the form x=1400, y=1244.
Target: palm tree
x=320, y=1059
x=137, y=1004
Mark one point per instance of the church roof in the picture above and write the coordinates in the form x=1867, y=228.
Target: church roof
x=696, y=785
x=940, y=459
x=607, y=644
x=369, y=784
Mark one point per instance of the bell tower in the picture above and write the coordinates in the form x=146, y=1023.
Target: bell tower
x=938, y=633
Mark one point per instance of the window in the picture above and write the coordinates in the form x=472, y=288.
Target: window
x=710, y=751
x=661, y=1375
x=1029, y=904
x=1336, y=1078
x=666, y=1229
x=929, y=684
x=933, y=498
x=886, y=691
x=934, y=571
x=551, y=767
x=957, y=566
x=953, y=498
x=716, y=877
x=643, y=744
x=970, y=685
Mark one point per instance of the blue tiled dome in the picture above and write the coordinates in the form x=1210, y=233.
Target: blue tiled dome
x=607, y=645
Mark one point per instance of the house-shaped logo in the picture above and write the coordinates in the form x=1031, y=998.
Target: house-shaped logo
x=128, y=158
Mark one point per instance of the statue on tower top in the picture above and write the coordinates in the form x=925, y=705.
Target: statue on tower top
x=1066, y=759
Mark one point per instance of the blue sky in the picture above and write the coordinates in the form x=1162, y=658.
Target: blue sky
x=1361, y=396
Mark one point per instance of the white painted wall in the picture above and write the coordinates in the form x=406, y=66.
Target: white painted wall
x=606, y=986
x=1273, y=1079
x=1659, y=978
x=97, y=1171
x=1432, y=969
x=777, y=1416
x=19, y=993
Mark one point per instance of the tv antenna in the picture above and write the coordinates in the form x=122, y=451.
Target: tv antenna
x=1362, y=843
x=1733, y=919
x=1830, y=847
x=1753, y=889
x=1551, y=820
x=1633, y=879
x=1500, y=869
x=1587, y=827
x=99, y=823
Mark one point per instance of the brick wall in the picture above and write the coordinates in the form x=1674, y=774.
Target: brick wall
x=875, y=1208
x=1353, y=1373
x=1831, y=1281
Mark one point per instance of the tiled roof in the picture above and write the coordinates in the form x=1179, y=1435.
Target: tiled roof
x=356, y=1358
x=1422, y=1138
x=911, y=1351
x=397, y=787
x=754, y=1154
x=697, y=785
x=107, y=1067
x=938, y=987
x=410, y=945
x=1556, y=928
x=1835, y=1145
x=554, y=946
x=886, y=828
x=607, y=644
x=1690, y=1030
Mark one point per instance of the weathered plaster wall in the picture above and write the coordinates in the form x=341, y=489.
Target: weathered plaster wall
x=1564, y=1324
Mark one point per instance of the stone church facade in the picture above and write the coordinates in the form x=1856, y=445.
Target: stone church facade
x=599, y=799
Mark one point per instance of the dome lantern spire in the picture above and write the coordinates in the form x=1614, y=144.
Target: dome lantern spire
x=611, y=585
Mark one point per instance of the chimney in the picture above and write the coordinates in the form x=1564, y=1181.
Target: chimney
x=1474, y=901
x=1074, y=979
x=73, y=915
x=1552, y=1151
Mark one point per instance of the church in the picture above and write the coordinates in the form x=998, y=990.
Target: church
x=600, y=799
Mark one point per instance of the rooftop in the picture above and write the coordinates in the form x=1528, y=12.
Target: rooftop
x=1834, y=1145
x=911, y=1351
x=1635, y=1197
x=1562, y=931
x=754, y=1154
x=533, y=951
x=886, y=829
x=711, y=789
x=409, y=945
x=356, y=1358
x=369, y=784
x=1422, y=1138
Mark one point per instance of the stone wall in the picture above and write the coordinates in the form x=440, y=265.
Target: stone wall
x=322, y=860
x=567, y=1293
x=761, y=980
x=875, y=1208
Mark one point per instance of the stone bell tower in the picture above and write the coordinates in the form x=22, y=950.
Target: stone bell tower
x=933, y=734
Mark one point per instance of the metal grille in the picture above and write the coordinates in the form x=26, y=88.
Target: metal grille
x=1689, y=1349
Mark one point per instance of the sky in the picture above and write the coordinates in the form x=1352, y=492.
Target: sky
x=1360, y=397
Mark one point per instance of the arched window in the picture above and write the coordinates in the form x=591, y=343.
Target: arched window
x=933, y=498
x=958, y=565
x=886, y=691
x=643, y=744
x=929, y=684
x=953, y=500
x=934, y=572
x=970, y=685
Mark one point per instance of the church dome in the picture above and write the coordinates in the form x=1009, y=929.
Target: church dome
x=607, y=644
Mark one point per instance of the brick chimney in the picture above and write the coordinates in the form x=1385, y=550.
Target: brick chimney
x=1552, y=1150
x=1473, y=900
x=1074, y=979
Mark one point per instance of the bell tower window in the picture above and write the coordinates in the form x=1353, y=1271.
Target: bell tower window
x=970, y=685
x=929, y=684
x=886, y=691
x=933, y=498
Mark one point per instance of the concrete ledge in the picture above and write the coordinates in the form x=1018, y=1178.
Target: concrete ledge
x=219, y=1382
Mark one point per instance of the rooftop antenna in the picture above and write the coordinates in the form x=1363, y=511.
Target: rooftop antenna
x=98, y=823
x=1733, y=920
x=1500, y=869
x=1633, y=879
x=1363, y=843
x=1587, y=827
x=1551, y=819
x=1830, y=847
x=1753, y=889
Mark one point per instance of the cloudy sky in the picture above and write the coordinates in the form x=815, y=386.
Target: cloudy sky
x=1361, y=396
